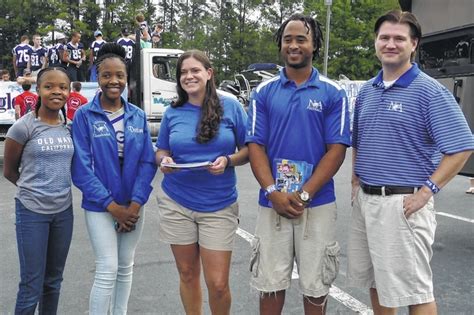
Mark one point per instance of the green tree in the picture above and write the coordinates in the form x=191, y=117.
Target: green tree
x=234, y=33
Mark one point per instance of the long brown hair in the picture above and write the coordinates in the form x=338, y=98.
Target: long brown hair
x=211, y=109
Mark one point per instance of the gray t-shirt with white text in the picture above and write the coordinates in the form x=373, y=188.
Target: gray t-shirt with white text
x=44, y=185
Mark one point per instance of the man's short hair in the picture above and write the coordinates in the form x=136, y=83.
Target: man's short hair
x=75, y=33
x=23, y=38
x=400, y=17
x=76, y=86
x=140, y=17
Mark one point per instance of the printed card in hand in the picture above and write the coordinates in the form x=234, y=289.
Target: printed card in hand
x=290, y=175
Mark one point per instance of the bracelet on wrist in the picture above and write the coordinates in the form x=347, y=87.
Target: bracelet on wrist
x=269, y=190
x=227, y=157
x=432, y=186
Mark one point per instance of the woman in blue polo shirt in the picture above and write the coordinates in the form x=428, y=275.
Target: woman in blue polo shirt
x=198, y=208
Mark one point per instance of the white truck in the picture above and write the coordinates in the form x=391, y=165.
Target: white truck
x=155, y=84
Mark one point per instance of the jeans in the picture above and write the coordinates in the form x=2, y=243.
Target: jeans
x=114, y=255
x=93, y=73
x=43, y=245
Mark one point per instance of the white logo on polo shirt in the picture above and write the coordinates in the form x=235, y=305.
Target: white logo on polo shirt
x=315, y=105
x=396, y=107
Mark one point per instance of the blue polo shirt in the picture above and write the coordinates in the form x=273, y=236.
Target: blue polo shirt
x=400, y=131
x=297, y=122
x=199, y=190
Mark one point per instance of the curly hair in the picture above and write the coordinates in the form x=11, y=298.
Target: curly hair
x=311, y=25
x=39, y=79
x=211, y=109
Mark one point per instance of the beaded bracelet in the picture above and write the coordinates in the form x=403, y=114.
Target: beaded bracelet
x=432, y=186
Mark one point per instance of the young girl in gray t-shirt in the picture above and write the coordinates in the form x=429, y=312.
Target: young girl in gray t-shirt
x=37, y=159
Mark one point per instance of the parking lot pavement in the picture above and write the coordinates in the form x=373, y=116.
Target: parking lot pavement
x=155, y=285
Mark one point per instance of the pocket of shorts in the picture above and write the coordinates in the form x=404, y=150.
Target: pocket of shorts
x=255, y=257
x=331, y=263
x=235, y=210
x=410, y=224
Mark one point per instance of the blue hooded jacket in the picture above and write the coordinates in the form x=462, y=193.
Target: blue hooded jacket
x=96, y=169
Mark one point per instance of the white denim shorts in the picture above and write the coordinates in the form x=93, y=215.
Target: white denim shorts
x=389, y=252
x=179, y=225
x=308, y=240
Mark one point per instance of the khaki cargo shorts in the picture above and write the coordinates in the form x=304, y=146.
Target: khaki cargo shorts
x=389, y=252
x=179, y=225
x=308, y=240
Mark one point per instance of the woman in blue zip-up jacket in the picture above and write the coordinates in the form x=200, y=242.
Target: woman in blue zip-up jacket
x=113, y=166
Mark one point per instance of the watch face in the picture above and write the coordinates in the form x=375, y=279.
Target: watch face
x=304, y=196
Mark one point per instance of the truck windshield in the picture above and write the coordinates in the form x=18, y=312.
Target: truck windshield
x=164, y=67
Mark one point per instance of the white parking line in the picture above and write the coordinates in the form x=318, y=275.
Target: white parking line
x=457, y=217
x=349, y=301
x=342, y=297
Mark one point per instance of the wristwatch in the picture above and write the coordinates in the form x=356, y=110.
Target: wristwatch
x=269, y=190
x=304, y=196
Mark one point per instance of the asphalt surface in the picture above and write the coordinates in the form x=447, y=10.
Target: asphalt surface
x=155, y=285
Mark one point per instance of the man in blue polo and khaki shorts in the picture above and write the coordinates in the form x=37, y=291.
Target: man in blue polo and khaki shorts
x=298, y=132
x=410, y=139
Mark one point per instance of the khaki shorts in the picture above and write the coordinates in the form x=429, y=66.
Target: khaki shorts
x=309, y=240
x=390, y=252
x=181, y=226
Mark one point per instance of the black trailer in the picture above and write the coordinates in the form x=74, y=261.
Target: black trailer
x=447, y=50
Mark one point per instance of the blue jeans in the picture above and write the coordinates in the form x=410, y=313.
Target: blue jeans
x=43, y=244
x=114, y=256
x=93, y=75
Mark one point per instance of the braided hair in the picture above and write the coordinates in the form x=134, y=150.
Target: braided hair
x=211, y=110
x=38, y=83
x=311, y=25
